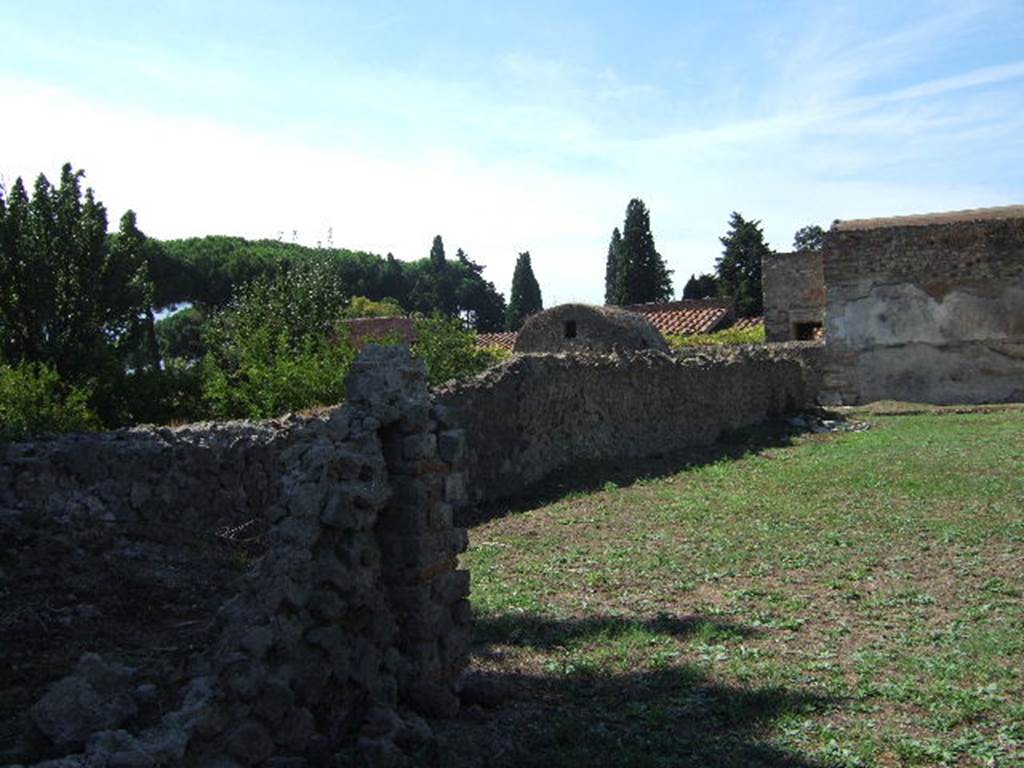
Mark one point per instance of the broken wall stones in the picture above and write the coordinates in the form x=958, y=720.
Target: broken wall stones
x=352, y=619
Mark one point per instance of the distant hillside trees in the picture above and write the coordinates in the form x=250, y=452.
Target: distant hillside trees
x=635, y=272
x=703, y=287
x=526, y=298
x=208, y=270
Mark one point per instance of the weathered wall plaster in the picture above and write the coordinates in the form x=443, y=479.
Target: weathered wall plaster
x=927, y=311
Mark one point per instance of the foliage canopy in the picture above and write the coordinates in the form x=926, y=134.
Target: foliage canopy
x=739, y=266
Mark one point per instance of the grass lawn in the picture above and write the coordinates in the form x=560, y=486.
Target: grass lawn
x=847, y=599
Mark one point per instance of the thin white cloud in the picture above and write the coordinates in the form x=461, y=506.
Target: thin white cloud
x=388, y=159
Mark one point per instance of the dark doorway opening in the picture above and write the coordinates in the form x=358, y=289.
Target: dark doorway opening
x=808, y=331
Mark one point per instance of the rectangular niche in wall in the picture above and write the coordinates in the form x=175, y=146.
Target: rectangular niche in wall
x=570, y=329
x=807, y=331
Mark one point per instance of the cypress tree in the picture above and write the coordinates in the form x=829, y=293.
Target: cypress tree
x=437, y=253
x=526, y=299
x=739, y=266
x=640, y=272
x=611, y=269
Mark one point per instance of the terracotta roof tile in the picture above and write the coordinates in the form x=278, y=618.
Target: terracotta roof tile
x=743, y=323
x=686, y=321
x=686, y=316
x=505, y=340
x=673, y=317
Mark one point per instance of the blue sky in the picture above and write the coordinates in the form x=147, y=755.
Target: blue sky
x=514, y=126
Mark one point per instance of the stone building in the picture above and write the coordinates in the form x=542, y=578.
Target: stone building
x=370, y=330
x=794, y=296
x=585, y=328
x=926, y=308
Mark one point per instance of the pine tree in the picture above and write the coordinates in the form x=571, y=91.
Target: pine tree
x=526, y=299
x=611, y=270
x=640, y=273
x=739, y=266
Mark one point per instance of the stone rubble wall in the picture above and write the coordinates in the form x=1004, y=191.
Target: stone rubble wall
x=352, y=623
x=535, y=414
x=794, y=292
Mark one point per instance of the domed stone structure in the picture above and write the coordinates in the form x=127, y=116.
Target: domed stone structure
x=586, y=328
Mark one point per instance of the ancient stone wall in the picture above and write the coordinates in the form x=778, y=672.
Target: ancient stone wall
x=344, y=621
x=287, y=593
x=926, y=310
x=534, y=414
x=794, y=295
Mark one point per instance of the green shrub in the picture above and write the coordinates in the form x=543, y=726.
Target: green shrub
x=33, y=400
x=279, y=347
x=169, y=396
x=360, y=306
x=754, y=335
x=450, y=350
x=271, y=376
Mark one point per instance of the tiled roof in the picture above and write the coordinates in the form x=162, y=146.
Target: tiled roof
x=743, y=323
x=672, y=317
x=687, y=316
x=505, y=339
x=686, y=321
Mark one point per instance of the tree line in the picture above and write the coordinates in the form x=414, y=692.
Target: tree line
x=635, y=273
x=262, y=330
x=259, y=324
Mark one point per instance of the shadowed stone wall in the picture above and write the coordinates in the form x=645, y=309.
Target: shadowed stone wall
x=287, y=592
x=534, y=414
x=350, y=623
x=926, y=309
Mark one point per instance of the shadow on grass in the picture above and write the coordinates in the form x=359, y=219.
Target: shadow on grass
x=667, y=714
x=541, y=633
x=590, y=476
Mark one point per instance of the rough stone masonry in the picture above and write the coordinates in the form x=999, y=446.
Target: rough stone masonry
x=286, y=593
x=351, y=624
x=926, y=308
